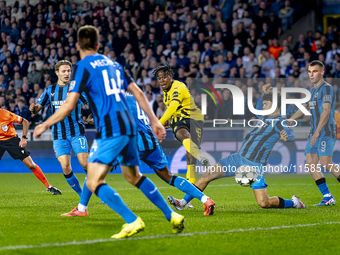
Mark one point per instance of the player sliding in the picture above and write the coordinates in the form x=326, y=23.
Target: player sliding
x=322, y=136
x=105, y=82
x=255, y=150
x=68, y=134
x=187, y=120
x=10, y=142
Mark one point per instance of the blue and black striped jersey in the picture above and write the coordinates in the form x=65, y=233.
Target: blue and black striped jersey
x=146, y=138
x=54, y=96
x=259, y=142
x=319, y=96
x=104, y=82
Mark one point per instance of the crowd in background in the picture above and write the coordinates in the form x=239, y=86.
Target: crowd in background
x=205, y=42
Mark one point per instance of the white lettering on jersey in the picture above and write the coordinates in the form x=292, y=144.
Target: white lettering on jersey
x=101, y=62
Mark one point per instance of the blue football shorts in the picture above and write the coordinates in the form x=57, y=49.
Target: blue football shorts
x=114, y=151
x=234, y=161
x=155, y=159
x=324, y=146
x=64, y=146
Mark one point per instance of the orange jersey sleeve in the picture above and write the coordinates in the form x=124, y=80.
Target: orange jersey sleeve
x=7, y=130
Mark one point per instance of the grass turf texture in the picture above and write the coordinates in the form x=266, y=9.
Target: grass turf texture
x=31, y=216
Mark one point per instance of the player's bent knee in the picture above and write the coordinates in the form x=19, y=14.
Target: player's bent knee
x=84, y=166
x=67, y=169
x=32, y=166
x=264, y=203
x=92, y=184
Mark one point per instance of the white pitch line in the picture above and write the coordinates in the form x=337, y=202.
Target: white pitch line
x=19, y=247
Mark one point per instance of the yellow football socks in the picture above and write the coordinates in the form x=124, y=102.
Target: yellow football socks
x=191, y=175
x=192, y=148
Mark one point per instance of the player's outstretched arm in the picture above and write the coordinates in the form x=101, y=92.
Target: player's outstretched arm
x=299, y=113
x=59, y=115
x=157, y=128
x=286, y=133
x=169, y=112
x=35, y=108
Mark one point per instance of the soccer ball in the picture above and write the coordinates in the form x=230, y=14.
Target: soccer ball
x=245, y=175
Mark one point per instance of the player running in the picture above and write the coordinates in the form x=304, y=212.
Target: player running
x=10, y=142
x=323, y=132
x=69, y=133
x=105, y=82
x=187, y=119
x=255, y=150
x=151, y=153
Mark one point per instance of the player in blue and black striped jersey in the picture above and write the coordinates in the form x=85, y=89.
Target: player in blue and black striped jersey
x=69, y=133
x=104, y=83
x=323, y=132
x=151, y=153
x=255, y=150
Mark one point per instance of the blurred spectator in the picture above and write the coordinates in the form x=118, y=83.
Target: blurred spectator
x=259, y=47
x=182, y=60
x=12, y=106
x=268, y=65
x=23, y=65
x=23, y=110
x=337, y=71
x=276, y=49
x=5, y=72
x=237, y=48
x=195, y=52
x=285, y=57
x=160, y=110
x=257, y=73
x=276, y=6
x=34, y=76
x=332, y=35
x=25, y=92
x=331, y=54
x=3, y=83
x=207, y=51
x=220, y=68
x=17, y=80
x=286, y=16
x=150, y=98
x=159, y=98
x=249, y=64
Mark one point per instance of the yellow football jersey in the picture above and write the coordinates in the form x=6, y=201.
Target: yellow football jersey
x=187, y=108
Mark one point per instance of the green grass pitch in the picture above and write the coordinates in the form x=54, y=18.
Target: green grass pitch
x=30, y=221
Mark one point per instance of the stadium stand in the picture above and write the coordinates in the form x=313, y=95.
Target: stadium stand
x=204, y=40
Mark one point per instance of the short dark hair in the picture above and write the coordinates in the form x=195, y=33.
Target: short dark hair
x=166, y=69
x=88, y=37
x=268, y=96
x=317, y=63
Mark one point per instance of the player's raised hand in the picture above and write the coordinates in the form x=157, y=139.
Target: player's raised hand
x=266, y=88
x=90, y=119
x=159, y=131
x=284, y=135
x=32, y=108
x=39, y=130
